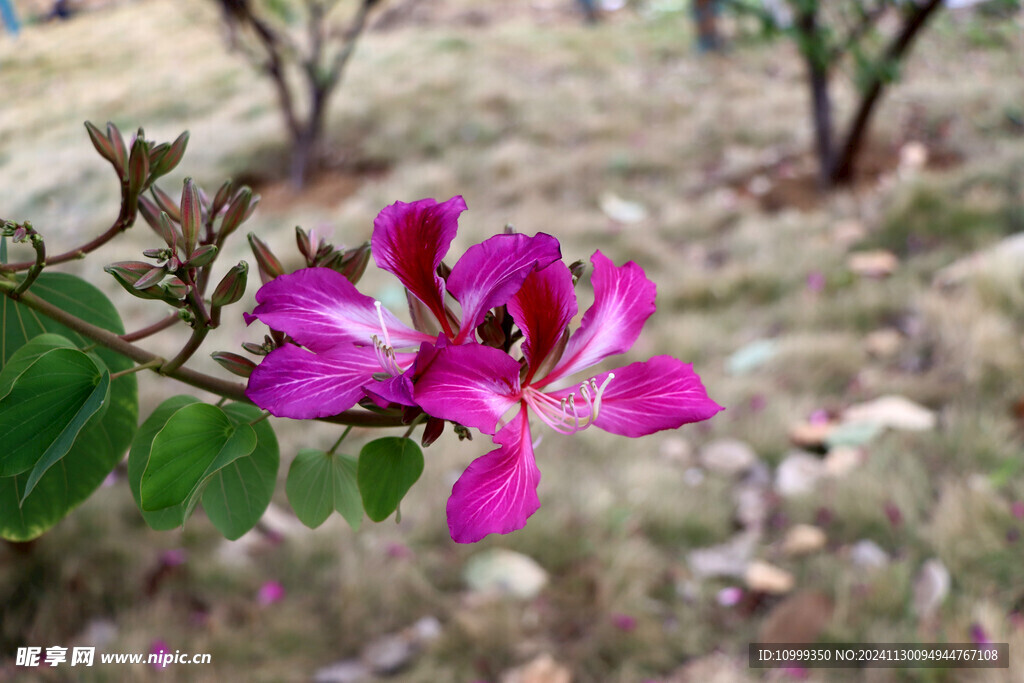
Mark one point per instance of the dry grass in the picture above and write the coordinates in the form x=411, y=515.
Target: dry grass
x=533, y=118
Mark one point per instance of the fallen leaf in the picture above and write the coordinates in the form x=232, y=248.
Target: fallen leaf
x=800, y=618
x=767, y=578
x=752, y=356
x=895, y=412
x=877, y=263
x=622, y=210
x=803, y=539
x=504, y=572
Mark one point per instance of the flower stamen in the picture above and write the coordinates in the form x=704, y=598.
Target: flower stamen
x=564, y=415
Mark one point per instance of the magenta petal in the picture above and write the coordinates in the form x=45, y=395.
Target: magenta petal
x=393, y=390
x=498, y=491
x=293, y=382
x=623, y=301
x=319, y=308
x=643, y=398
x=490, y=272
x=410, y=240
x=542, y=308
x=471, y=384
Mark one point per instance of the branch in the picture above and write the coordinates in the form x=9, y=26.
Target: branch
x=125, y=220
x=215, y=385
x=896, y=50
x=274, y=66
x=868, y=19
x=158, y=326
x=349, y=39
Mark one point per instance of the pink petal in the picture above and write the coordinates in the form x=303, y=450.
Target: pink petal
x=319, y=308
x=623, y=300
x=542, y=308
x=490, y=272
x=498, y=491
x=643, y=398
x=293, y=382
x=269, y=593
x=393, y=390
x=410, y=240
x=471, y=384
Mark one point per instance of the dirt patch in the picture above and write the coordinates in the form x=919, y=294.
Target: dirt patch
x=792, y=182
x=326, y=188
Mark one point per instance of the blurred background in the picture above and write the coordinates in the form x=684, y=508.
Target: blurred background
x=865, y=333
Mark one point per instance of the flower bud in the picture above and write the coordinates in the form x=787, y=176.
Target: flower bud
x=166, y=204
x=221, y=198
x=432, y=431
x=170, y=160
x=128, y=274
x=305, y=246
x=191, y=216
x=236, y=214
x=157, y=153
x=120, y=151
x=233, y=363
x=153, y=277
x=174, y=288
x=100, y=142
x=168, y=229
x=151, y=213
x=159, y=254
x=138, y=167
x=577, y=268
x=258, y=349
x=202, y=256
x=354, y=261
x=232, y=287
x=270, y=266
x=19, y=235
x=490, y=332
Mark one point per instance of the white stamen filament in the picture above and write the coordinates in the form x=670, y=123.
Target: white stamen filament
x=385, y=352
x=564, y=416
x=383, y=327
x=386, y=357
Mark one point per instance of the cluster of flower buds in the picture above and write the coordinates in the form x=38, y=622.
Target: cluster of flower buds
x=141, y=163
x=193, y=231
x=319, y=253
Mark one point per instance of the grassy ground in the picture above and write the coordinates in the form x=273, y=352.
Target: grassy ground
x=536, y=119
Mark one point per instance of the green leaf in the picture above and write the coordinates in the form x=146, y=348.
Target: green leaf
x=238, y=495
x=85, y=413
x=138, y=458
x=49, y=403
x=196, y=441
x=319, y=483
x=101, y=443
x=388, y=468
x=26, y=355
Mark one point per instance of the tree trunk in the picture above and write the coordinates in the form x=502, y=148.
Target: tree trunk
x=704, y=14
x=821, y=110
x=821, y=101
x=589, y=8
x=842, y=172
x=305, y=151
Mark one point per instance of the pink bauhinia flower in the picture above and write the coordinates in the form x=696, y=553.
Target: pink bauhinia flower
x=345, y=345
x=479, y=386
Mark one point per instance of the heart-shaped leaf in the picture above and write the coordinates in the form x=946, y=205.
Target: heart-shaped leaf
x=101, y=443
x=238, y=495
x=138, y=458
x=388, y=468
x=196, y=441
x=320, y=483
